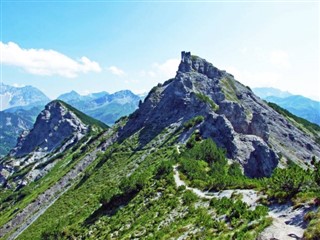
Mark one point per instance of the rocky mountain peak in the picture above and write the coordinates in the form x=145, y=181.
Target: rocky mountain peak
x=54, y=125
x=26, y=96
x=193, y=63
x=72, y=95
x=253, y=133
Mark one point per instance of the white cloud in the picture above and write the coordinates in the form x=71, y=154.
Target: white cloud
x=160, y=72
x=17, y=85
x=256, y=78
x=280, y=59
x=168, y=68
x=45, y=62
x=116, y=71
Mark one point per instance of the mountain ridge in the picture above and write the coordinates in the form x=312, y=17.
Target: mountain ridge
x=57, y=128
x=58, y=121
x=104, y=106
x=120, y=182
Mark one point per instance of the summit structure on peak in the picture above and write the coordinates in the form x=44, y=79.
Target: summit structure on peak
x=193, y=63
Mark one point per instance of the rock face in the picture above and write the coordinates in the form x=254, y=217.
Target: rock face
x=57, y=128
x=54, y=125
x=252, y=133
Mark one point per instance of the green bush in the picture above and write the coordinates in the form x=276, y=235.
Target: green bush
x=164, y=169
x=216, y=173
x=285, y=183
x=189, y=197
x=193, y=122
x=206, y=99
x=193, y=169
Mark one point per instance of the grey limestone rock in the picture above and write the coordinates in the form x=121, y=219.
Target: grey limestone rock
x=54, y=125
x=252, y=132
x=55, y=129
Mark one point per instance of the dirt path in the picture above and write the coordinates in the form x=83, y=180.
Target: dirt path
x=287, y=222
x=249, y=196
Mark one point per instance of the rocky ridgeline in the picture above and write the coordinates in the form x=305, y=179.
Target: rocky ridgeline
x=234, y=117
x=54, y=125
x=55, y=129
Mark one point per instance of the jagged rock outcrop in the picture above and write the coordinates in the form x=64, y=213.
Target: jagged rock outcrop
x=57, y=128
x=253, y=133
x=54, y=125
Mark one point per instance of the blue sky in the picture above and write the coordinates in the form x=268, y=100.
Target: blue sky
x=108, y=46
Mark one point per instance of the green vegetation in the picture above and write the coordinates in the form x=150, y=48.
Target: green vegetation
x=193, y=122
x=13, y=201
x=237, y=211
x=206, y=99
x=84, y=118
x=205, y=166
x=127, y=194
x=229, y=89
x=313, y=230
x=285, y=184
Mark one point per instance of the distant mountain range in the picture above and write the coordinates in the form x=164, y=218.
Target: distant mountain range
x=21, y=105
x=13, y=124
x=21, y=97
x=19, y=108
x=296, y=104
x=103, y=106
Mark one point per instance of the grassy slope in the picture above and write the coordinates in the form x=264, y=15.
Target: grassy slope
x=12, y=201
x=83, y=117
x=157, y=210
x=147, y=212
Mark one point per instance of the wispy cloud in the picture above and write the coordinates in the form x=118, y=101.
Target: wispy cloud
x=255, y=78
x=116, y=71
x=168, y=68
x=45, y=62
x=161, y=71
x=17, y=85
